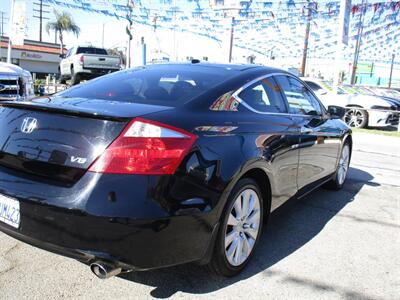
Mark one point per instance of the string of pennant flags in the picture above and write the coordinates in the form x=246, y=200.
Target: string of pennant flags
x=263, y=25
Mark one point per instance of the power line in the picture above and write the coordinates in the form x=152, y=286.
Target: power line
x=39, y=9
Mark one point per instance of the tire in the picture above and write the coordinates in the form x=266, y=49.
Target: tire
x=356, y=117
x=341, y=171
x=62, y=80
x=244, y=236
x=75, y=78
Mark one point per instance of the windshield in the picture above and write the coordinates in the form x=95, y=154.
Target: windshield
x=163, y=84
x=329, y=86
x=350, y=90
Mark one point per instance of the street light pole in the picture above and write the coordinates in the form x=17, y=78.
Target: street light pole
x=231, y=41
x=391, y=72
x=102, y=36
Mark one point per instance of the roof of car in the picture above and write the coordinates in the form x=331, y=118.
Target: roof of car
x=215, y=66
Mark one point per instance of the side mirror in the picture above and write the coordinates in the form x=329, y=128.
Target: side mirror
x=336, y=112
x=62, y=55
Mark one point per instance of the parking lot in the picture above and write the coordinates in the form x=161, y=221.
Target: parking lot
x=327, y=245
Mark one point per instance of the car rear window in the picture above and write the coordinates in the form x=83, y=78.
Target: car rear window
x=91, y=50
x=164, y=85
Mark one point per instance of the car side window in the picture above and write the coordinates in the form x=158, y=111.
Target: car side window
x=264, y=96
x=300, y=100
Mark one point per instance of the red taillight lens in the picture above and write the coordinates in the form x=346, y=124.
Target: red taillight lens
x=81, y=59
x=145, y=147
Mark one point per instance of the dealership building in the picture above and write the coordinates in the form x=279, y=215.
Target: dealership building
x=39, y=58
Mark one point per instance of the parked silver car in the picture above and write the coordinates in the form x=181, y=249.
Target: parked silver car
x=362, y=110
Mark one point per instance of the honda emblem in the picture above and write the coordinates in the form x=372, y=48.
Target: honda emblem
x=28, y=125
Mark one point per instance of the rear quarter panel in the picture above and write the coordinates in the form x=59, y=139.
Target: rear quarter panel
x=231, y=143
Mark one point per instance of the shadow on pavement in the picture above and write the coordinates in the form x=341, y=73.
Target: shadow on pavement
x=387, y=128
x=289, y=228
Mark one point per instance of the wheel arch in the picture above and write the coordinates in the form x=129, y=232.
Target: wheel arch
x=260, y=176
x=354, y=105
x=263, y=182
x=348, y=139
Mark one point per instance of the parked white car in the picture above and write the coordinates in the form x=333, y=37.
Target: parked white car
x=83, y=62
x=361, y=110
x=15, y=83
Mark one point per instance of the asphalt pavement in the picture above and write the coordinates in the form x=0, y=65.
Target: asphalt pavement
x=328, y=245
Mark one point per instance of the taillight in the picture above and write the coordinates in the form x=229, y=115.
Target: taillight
x=145, y=147
x=81, y=59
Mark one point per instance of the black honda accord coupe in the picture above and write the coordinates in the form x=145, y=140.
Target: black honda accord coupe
x=165, y=164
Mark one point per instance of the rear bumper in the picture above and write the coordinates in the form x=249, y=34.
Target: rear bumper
x=95, y=71
x=139, y=235
x=141, y=246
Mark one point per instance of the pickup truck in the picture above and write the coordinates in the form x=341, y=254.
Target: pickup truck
x=86, y=63
x=15, y=83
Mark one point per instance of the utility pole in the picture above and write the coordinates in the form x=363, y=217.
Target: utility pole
x=2, y=20
x=39, y=9
x=307, y=37
x=2, y=28
x=128, y=29
x=358, y=43
x=231, y=41
x=391, y=73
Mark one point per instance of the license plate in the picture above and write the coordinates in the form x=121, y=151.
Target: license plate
x=9, y=211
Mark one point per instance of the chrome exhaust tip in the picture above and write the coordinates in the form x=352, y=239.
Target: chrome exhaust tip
x=104, y=270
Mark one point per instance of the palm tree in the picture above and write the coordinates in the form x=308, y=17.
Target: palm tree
x=63, y=23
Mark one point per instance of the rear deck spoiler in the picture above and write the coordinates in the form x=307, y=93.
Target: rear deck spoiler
x=36, y=106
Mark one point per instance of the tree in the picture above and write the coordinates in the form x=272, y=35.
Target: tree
x=63, y=23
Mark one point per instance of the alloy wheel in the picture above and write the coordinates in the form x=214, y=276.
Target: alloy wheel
x=343, y=164
x=354, y=117
x=242, y=227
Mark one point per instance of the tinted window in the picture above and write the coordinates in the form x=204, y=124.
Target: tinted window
x=264, y=96
x=91, y=50
x=162, y=84
x=299, y=98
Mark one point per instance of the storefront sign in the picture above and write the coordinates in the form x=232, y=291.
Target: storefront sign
x=31, y=55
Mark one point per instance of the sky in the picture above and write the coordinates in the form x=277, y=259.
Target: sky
x=115, y=36
x=179, y=46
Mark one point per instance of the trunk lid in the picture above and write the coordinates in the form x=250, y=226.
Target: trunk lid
x=97, y=61
x=58, y=139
